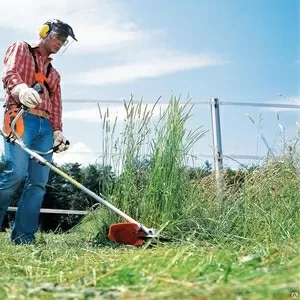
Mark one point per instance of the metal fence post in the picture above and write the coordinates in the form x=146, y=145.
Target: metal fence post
x=217, y=141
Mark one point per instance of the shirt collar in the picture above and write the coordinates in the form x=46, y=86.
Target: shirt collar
x=35, y=46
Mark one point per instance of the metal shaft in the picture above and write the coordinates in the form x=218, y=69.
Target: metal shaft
x=43, y=161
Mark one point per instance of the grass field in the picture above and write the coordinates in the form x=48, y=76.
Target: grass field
x=62, y=267
x=242, y=244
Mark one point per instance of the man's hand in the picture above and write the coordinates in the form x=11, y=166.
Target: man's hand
x=60, y=141
x=28, y=96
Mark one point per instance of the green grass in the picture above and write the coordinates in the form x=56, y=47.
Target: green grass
x=242, y=245
x=63, y=267
x=264, y=207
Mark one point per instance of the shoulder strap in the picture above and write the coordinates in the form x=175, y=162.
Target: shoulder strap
x=48, y=70
x=49, y=67
x=31, y=50
x=47, y=75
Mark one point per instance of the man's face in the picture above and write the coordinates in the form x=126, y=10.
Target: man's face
x=55, y=41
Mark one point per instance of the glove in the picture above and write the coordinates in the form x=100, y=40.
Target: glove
x=28, y=96
x=59, y=139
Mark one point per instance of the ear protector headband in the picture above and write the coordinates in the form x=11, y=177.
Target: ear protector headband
x=63, y=27
x=45, y=29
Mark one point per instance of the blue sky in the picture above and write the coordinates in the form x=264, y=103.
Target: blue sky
x=245, y=51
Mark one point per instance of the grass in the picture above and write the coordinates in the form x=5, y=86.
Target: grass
x=154, y=185
x=61, y=267
x=243, y=245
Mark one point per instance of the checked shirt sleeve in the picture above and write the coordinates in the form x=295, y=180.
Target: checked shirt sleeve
x=56, y=107
x=14, y=63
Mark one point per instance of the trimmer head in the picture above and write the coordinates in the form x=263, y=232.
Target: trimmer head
x=128, y=233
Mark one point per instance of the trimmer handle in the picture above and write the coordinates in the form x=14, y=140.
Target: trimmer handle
x=55, y=148
x=13, y=124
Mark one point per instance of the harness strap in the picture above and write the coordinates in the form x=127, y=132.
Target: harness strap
x=47, y=75
x=40, y=77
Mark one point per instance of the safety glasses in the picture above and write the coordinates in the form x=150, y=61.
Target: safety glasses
x=60, y=37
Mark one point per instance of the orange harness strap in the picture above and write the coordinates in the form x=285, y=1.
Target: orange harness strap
x=39, y=76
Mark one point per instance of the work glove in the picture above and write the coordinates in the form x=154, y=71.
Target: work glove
x=28, y=96
x=60, y=141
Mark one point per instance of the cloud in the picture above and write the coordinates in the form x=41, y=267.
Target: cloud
x=111, y=112
x=128, y=50
x=77, y=153
x=99, y=25
x=148, y=68
x=90, y=115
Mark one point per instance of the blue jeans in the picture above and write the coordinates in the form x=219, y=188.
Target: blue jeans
x=38, y=135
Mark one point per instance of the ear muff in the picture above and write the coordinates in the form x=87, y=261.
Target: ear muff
x=44, y=30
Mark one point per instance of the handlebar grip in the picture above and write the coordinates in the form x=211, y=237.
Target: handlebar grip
x=55, y=148
x=36, y=86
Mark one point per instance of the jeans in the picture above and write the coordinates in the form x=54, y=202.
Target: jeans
x=38, y=135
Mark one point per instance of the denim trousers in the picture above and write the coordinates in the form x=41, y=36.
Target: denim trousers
x=38, y=136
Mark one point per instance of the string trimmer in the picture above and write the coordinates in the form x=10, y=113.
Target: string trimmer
x=130, y=232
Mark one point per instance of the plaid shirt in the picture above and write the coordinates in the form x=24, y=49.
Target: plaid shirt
x=19, y=68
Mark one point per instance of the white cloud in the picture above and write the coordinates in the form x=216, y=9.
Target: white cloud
x=99, y=25
x=79, y=153
x=111, y=112
x=148, y=68
x=90, y=115
x=104, y=27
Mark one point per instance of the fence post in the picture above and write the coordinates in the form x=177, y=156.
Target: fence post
x=217, y=142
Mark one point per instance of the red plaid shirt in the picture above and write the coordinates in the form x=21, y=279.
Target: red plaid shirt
x=19, y=68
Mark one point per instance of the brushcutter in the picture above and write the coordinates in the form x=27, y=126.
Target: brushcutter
x=130, y=232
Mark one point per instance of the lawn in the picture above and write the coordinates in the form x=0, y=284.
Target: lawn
x=242, y=243
x=64, y=267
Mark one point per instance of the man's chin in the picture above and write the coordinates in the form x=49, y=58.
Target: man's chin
x=54, y=51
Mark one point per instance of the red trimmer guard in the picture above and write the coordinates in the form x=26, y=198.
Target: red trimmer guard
x=126, y=233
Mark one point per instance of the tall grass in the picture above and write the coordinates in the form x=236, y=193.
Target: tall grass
x=150, y=155
x=264, y=209
x=153, y=186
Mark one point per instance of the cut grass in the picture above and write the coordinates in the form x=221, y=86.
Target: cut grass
x=243, y=247
x=63, y=267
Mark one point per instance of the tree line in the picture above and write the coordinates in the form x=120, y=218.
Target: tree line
x=61, y=194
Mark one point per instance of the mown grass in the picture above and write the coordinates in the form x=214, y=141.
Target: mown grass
x=63, y=267
x=243, y=244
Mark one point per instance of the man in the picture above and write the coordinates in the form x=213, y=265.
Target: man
x=30, y=80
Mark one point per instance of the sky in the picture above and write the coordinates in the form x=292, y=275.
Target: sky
x=237, y=51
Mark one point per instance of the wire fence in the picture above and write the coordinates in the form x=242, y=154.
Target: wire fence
x=207, y=148
x=216, y=115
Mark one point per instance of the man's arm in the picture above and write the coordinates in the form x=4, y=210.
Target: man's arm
x=56, y=107
x=13, y=65
x=15, y=85
x=56, y=119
